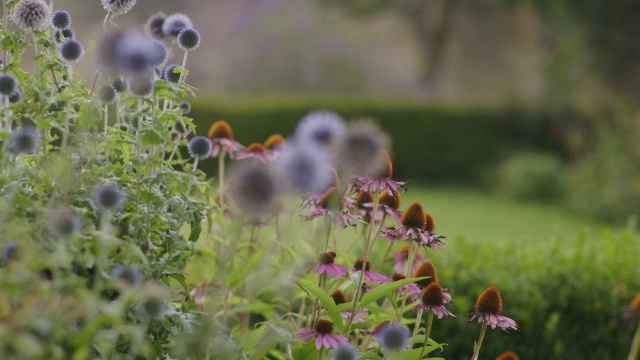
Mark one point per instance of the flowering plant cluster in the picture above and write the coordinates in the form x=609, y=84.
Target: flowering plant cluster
x=104, y=253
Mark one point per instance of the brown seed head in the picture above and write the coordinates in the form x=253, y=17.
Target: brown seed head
x=256, y=148
x=429, y=222
x=414, y=216
x=327, y=258
x=391, y=200
x=426, y=269
x=339, y=297
x=220, y=129
x=635, y=303
x=336, y=178
x=489, y=302
x=398, y=277
x=432, y=295
x=332, y=200
x=508, y=355
x=380, y=326
x=275, y=141
x=358, y=265
x=363, y=198
x=324, y=327
x=387, y=168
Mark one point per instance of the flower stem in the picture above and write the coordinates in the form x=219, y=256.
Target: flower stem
x=476, y=351
x=195, y=167
x=426, y=334
x=635, y=346
x=412, y=254
x=106, y=118
x=7, y=117
x=184, y=64
x=418, y=321
x=35, y=47
x=221, y=178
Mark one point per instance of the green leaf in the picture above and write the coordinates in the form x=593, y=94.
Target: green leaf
x=307, y=352
x=383, y=290
x=181, y=279
x=413, y=354
x=325, y=300
x=196, y=228
x=370, y=356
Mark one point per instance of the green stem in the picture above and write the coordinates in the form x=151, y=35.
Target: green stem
x=412, y=254
x=7, y=114
x=221, y=177
x=195, y=167
x=106, y=118
x=635, y=346
x=426, y=334
x=35, y=47
x=184, y=64
x=418, y=321
x=476, y=351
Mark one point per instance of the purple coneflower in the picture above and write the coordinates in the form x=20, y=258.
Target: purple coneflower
x=372, y=184
x=369, y=275
x=409, y=288
x=326, y=266
x=433, y=299
x=221, y=137
x=331, y=205
x=275, y=143
x=488, y=310
x=340, y=298
x=255, y=151
x=413, y=227
x=324, y=335
x=402, y=257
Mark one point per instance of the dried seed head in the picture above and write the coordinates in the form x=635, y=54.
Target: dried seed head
x=426, y=269
x=274, y=142
x=387, y=167
x=220, y=129
x=339, y=297
x=71, y=50
x=359, y=263
x=118, y=7
x=489, y=302
x=429, y=222
x=332, y=200
x=324, y=327
x=256, y=148
x=153, y=26
x=389, y=200
x=413, y=216
x=432, y=295
x=327, y=258
x=359, y=147
x=107, y=94
x=363, y=198
x=188, y=39
x=31, y=14
x=61, y=20
x=200, y=147
x=398, y=277
x=175, y=23
x=509, y=355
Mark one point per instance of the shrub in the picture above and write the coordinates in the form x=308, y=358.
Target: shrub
x=530, y=176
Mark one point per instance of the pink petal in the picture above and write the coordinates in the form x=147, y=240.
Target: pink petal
x=319, y=342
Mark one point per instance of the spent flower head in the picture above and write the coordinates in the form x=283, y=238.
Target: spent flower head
x=31, y=14
x=118, y=7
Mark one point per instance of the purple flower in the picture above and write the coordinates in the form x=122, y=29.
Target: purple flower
x=413, y=227
x=221, y=137
x=255, y=151
x=402, y=257
x=331, y=205
x=371, y=276
x=488, y=310
x=324, y=335
x=326, y=266
x=433, y=299
x=372, y=184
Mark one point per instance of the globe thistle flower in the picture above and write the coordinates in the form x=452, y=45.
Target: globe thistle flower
x=320, y=128
x=344, y=353
x=160, y=53
x=153, y=25
x=119, y=85
x=107, y=94
x=393, y=337
x=255, y=151
x=358, y=149
x=275, y=143
x=9, y=253
x=16, y=96
x=61, y=20
x=200, y=147
x=488, y=310
x=382, y=181
x=304, y=169
x=188, y=39
x=71, y=50
x=331, y=206
x=221, y=136
x=128, y=52
x=185, y=106
x=433, y=299
x=170, y=75
x=127, y=275
x=326, y=266
x=64, y=222
x=508, y=355
x=323, y=333
x=141, y=85
x=402, y=258
x=253, y=189
x=109, y=196
x=8, y=84
x=31, y=14
x=24, y=141
x=60, y=36
x=118, y=7
x=175, y=23
x=413, y=224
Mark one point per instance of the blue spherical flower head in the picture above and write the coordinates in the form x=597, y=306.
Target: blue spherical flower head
x=16, y=96
x=107, y=94
x=175, y=23
x=24, y=141
x=141, y=85
x=160, y=53
x=109, y=196
x=200, y=147
x=9, y=253
x=71, y=50
x=61, y=20
x=170, y=75
x=31, y=14
x=129, y=275
x=188, y=39
x=153, y=26
x=8, y=84
x=321, y=128
x=343, y=352
x=60, y=36
x=185, y=106
x=393, y=337
x=120, y=85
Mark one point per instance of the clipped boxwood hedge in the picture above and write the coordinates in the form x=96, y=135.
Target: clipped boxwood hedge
x=437, y=142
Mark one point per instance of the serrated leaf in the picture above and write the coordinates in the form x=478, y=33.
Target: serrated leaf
x=325, y=300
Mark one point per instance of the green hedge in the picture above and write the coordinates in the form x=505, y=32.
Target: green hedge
x=431, y=141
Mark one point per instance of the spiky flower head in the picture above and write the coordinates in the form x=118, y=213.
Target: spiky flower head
x=413, y=216
x=304, y=169
x=358, y=149
x=64, y=222
x=160, y=53
x=427, y=269
x=200, y=147
x=393, y=337
x=141, y=85
x=220, y=129
x=339, y=297
x=118, y=7
x=274, y=142
x=109, y=196
x=320, y=128
x=253, y=188
x=489, y=302
x=185, y=106
x=60, y=36
x=324, y=327
x=343, y=352
x=71, y=50
x=175, y=23
x=508, y=355
x=8, y=84
x=391, y=200
x=120, y=85
x=128, y=52
x=429, y=222
x=16, y=96
x=433, y=295
x=332, y=200
x=386, y=170
x=107, y=94
x=61, y=20
x=129, y=275
x=153, y=26
x=24, y=141
x=188, y=39
x=170, y=75
x=31, y=14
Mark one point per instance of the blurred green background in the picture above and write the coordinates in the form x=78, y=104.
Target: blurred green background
x=530, y=100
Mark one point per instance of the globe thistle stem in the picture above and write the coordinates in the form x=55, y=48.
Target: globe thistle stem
x=426, y=334
x=184, y=64
x=95, y=80
x=193, y=179
x=139, y=149
x=35, y=47
x=635, y=346
x=407, y=274
x=106, y=118
x=221, y=178
x=7, y=114
x=476, y=350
